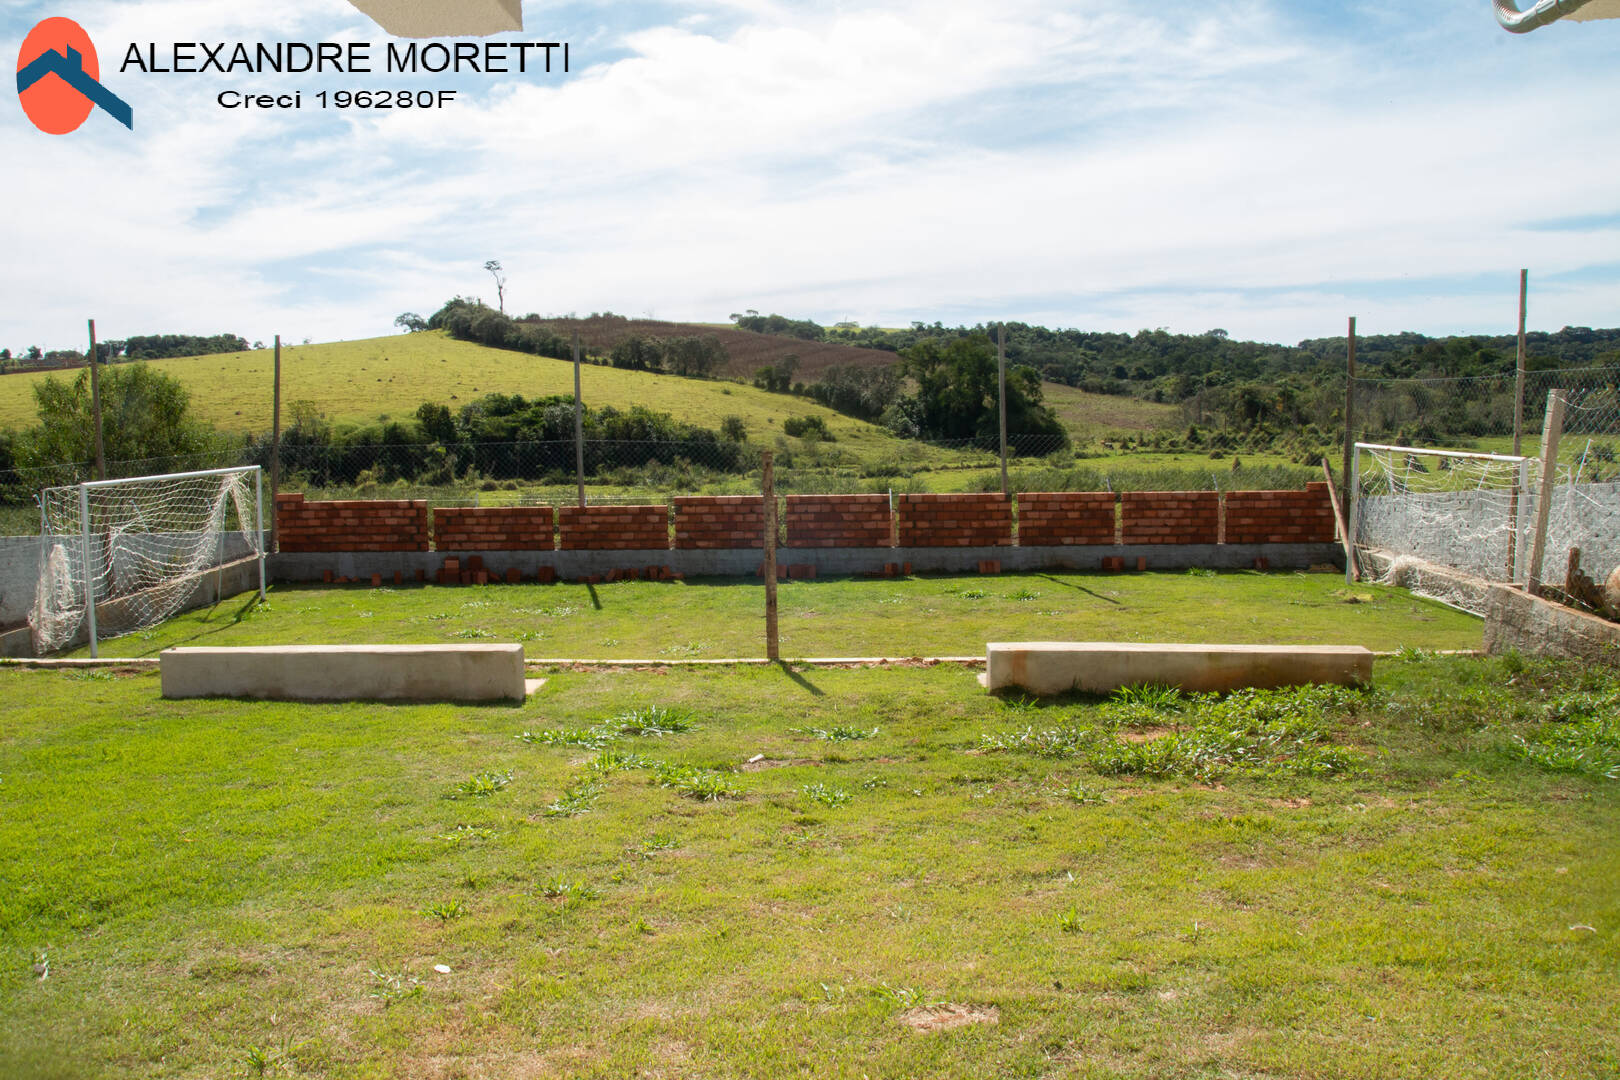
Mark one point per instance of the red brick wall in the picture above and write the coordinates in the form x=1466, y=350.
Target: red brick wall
x=955, y=520
x=1171, y=517
x=838, y=521
x=1065, y=517
x=370, y=525
x=1280, y=517
x=492, y=528
x=612, y=528
x=720, y=521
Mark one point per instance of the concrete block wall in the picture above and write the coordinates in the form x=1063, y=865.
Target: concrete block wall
x=493, y=528
x=612, y=528
x=839, y=521
x=351, y=525
x=1053, y=518
x=1171, y=517
x=720, y=521
x=977, y=520
x=1280, y=517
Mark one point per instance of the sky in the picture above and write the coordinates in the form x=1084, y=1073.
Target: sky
x=1268, y=167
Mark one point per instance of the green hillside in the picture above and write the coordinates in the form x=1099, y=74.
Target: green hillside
x=388, y=377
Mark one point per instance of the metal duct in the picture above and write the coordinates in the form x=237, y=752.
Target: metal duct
x=1546, y=11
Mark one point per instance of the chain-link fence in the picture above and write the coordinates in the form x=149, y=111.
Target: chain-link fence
x=1478, y=515
x=643, y=471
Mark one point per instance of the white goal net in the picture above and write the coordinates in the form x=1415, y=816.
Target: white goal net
x=118, y=556
x=1422, y=509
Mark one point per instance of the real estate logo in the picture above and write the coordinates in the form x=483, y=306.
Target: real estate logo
x=58, y=77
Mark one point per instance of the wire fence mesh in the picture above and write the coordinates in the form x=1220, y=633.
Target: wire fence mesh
x=642, y=471
x=1480, y=516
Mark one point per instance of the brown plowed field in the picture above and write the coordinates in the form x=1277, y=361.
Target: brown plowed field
x=749, y=351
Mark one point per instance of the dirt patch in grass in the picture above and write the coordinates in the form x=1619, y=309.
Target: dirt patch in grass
x=776, y=763
x=927, y=1018
x=1146, y=735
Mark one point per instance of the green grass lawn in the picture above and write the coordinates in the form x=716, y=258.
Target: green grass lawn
x=1295, y=885
x=934, y=615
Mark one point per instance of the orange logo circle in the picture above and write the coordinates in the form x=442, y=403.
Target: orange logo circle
x=54, y=106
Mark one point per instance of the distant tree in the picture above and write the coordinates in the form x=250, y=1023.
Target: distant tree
x=494, y=268
x=410, y=322
x=144, y=414
x=33, y=353
x=437, y=423
x=733, y=428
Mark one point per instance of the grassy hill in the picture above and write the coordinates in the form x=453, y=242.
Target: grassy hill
x=388, y=377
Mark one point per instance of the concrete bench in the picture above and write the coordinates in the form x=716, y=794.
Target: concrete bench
x=1099, y=667
x=347, y=673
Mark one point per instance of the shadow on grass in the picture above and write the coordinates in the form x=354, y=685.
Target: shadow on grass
x=788, y=670
x=209, y=627
x=1082, y=588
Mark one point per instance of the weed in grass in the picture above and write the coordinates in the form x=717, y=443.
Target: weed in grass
x=480, y=785
x=473, y=632
x=1069, y=922
x=391, y=987
x=1080, y=793
x=1411, y=654
x=704, y=785
x=260, y=1060
x=445, y=911
x=1583, y=747
x=973, y=594
x=903, y=996
x=575, y=800
x=1025, y=593
x=826, y=796
x=838, y=733
x=1200, y=571
x=619, y=761
x=595, y=738
x=439, y=616
x=659, y=842
x=654, y=720
x=569, y=890
x=1072, y=741
x=42, y=965
x=690, y=649
x=641, y=926
x=873, y=783
x=1155, y=696
x=463, y=835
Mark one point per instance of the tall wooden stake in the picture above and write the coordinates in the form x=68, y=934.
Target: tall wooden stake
x=768, y=487
x=95, y=403
x=1349, y=494
x=1550, y=434
x=579, y=427
x=1001, y=376
x=275, y=452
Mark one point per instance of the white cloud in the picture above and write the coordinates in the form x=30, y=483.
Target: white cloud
x=1089, y=164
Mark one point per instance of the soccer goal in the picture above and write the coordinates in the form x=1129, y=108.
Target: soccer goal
x=118, y=556
x=1460, y=510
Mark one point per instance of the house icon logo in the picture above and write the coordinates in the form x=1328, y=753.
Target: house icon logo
x=57, y=79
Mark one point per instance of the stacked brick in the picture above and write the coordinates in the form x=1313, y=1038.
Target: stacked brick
x=492, y=528
x=612, y=528
x=1171, y=517
x=955, y=520
x=722, y=521
x=351, y=525
x=838, y=521
x=1048, y=519
x=1280, y=517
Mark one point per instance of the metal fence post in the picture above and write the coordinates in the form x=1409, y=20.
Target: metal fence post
x=89, y=575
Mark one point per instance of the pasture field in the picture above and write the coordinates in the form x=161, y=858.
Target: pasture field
x=931, y=615
x=779, y=872
x=361, y=382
